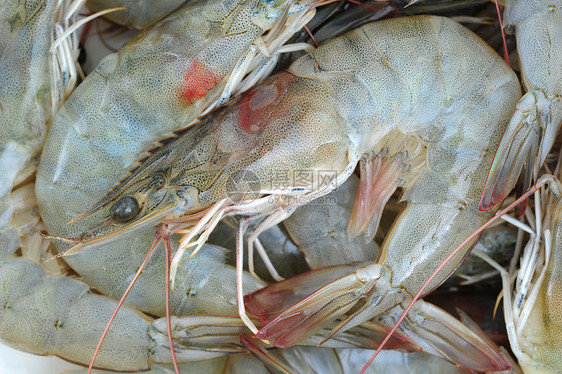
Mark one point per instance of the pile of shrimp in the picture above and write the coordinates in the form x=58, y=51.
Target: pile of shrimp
x=371, y=152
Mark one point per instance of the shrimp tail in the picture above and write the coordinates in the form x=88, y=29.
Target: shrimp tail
x=353, y=292
x=269, y=302
x=535, y=118
x=467, y=347
x=427, y=327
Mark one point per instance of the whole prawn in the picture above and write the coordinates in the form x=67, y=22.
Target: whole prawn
x=427, y=115
x=445, y=191
x=30, y=24
x=149, y=87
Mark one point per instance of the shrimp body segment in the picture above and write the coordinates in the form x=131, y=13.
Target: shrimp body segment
x=26, y=30
x=45, y=315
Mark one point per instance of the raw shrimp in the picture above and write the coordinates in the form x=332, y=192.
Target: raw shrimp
x=443, y=200
x=29, y=92
x=420, y=99
x=538, y=26
x=153, y=84
x=47, y=315
x=35, y=77
x=532, y=307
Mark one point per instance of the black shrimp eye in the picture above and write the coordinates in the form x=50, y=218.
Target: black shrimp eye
x=125, y=209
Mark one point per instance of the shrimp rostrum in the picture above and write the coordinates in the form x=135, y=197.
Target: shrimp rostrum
x=421, y=102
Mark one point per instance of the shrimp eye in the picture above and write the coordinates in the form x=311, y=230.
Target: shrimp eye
x=125, y=209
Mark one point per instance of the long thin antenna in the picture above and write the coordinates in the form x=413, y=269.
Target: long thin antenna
x=155, y=242
x=505, y=52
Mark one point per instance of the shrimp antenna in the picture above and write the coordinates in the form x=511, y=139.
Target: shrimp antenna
x=161, y=235
x=505, y=52
x=541, y=182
